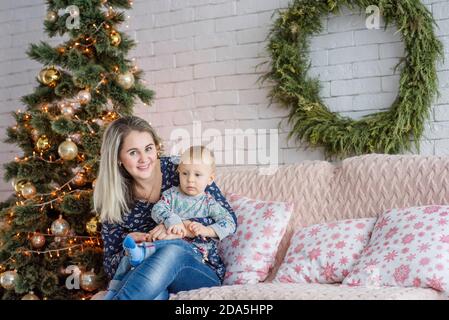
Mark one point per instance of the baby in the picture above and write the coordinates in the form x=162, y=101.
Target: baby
x=188, y=201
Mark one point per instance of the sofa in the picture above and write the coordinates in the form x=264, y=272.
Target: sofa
x=321, y=191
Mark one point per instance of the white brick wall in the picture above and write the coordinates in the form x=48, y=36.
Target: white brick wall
x=200, y=57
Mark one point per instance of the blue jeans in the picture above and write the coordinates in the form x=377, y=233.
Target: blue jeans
x=173, y=267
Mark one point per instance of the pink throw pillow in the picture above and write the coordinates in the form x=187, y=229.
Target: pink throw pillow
x=250, y=252
x=325, y=253
x=409, y=248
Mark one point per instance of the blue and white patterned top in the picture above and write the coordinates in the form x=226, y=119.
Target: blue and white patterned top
x=176, y=206
x=139, y=220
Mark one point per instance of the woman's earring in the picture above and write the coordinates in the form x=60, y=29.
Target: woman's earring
x=120, y=163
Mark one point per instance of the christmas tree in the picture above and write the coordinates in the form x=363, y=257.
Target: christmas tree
x=50, y=246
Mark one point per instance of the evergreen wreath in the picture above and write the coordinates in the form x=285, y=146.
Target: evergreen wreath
x=390, y=131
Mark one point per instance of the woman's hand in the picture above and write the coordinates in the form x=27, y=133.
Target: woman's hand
x=138, y=236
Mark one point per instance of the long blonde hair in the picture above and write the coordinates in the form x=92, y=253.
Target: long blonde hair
x=113, y=192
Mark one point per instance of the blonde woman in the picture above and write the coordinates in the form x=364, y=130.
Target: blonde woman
x=131, y=179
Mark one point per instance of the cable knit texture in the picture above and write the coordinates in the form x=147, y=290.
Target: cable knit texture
x=321, y=191
x=309, y=291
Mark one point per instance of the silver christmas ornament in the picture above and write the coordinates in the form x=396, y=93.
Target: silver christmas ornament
x=60, y=227
x=8, y=279
x=126, y=80
x=84, y=96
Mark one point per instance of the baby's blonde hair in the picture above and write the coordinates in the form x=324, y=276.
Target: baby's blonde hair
x=198, y=155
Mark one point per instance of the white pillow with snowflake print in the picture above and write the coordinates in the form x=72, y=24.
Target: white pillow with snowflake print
x=325, y=253
x=250, y=252
x=409, y=248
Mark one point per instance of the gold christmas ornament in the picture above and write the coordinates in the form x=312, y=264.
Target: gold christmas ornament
x=8, y=279
x=37, y=241
x=115, y=38
x=94, y=183
x=68, y=150
x=18, y=184
x=42, y=144
x=84, y=96
x=79, y=179
x=67, y=111
x=51, y=16
x=49, y=76
x=92, y=226
x=89, y=281
x=28, y=191
x=60, y=227
x=126, y=80
x=30, y=296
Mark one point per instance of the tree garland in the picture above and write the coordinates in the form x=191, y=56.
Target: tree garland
x=390, y=131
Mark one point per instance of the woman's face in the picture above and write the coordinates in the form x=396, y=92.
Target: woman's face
x=139, y=154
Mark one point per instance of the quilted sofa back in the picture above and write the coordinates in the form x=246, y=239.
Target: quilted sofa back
x=357, y=187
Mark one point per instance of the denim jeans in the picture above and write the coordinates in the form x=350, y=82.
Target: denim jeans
x=174, y=266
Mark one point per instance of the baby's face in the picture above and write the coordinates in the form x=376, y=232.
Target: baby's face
x=194, y=178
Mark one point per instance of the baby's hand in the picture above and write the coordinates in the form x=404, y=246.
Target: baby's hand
x=178, y=229
x=199, y=230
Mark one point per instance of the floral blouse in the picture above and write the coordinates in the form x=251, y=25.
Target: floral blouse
x=176, y=206
x=139, y=220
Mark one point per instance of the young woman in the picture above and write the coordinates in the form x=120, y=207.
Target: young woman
x=131, y=179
